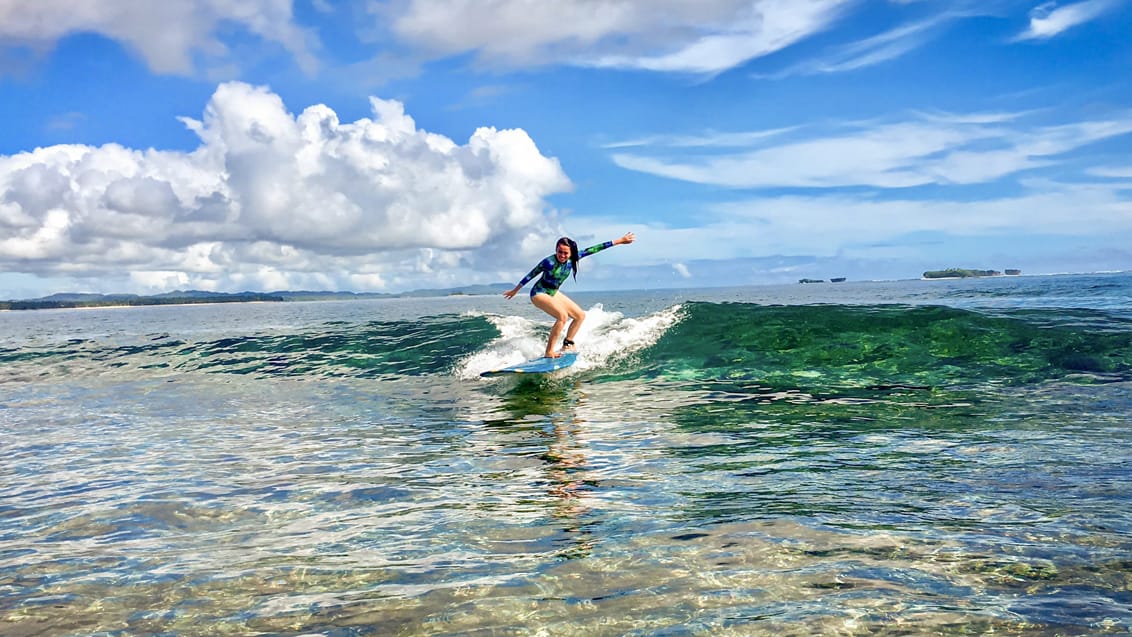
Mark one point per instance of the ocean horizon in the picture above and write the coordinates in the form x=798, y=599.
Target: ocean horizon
x=488, y=289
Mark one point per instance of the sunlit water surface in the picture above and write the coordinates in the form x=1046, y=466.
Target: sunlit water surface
x=341, y=469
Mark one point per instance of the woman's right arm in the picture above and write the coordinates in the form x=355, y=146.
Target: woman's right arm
x=527, y=279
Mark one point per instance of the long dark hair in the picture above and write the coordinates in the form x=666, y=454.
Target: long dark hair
x=567, y=241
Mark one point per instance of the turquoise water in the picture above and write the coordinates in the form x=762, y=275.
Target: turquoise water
x=946, y=457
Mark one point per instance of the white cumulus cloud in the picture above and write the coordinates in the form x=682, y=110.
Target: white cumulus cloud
x=272, y=199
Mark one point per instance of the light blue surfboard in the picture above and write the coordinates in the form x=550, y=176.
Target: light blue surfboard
x=536, y=366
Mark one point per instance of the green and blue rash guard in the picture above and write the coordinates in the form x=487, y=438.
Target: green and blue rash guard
x=554, y=274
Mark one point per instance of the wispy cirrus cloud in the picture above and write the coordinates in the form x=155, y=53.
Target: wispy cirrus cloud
x=705, y=37
x=169, y=36
x=1111, y=172
x=901, y=229
x=191, y=36
x=883, y=47
x=768, y=27
x=710, y=139
x=65, y=121
x=921, y=150
x=1050, y=20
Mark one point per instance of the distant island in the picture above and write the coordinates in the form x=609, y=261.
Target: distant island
x=963, y=273
x=70, y=300
x=836, y=279
x=186, y=297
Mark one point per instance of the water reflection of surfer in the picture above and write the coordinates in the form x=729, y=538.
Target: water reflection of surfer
x=566, y=469
x=565, y=462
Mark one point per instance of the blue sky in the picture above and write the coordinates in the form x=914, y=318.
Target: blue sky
x=387, y=145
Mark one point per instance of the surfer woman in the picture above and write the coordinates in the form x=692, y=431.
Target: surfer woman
x=555, y=269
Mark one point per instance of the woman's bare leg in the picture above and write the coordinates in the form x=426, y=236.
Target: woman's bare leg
x=574, y=311
x=558, y=312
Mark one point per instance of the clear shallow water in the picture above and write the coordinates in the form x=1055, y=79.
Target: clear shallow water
x=861, y=458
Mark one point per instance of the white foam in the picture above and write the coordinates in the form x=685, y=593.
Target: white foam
x=604, y=338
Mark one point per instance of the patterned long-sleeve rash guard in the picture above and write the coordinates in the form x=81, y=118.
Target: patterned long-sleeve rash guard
x=554, y=274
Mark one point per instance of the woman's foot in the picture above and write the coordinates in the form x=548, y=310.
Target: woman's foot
x=568, y=345
x=552, y=354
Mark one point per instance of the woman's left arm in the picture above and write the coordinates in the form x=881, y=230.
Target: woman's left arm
x=628, y=237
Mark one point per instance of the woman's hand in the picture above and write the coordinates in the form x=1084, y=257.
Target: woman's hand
x=628, y=238
x=512, y=292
